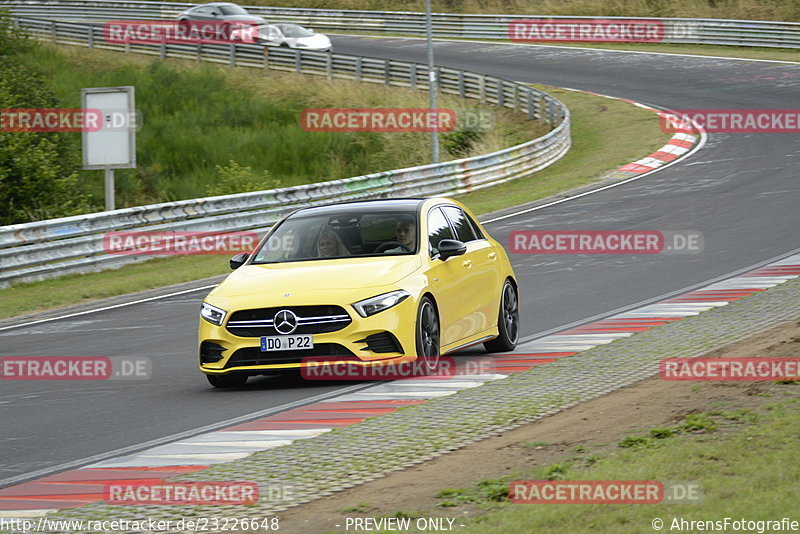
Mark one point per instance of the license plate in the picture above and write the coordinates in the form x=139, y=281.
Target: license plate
x=276, y=343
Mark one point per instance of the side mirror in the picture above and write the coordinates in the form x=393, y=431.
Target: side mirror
x=214, y=14
x=238, y=260
x=450, y=247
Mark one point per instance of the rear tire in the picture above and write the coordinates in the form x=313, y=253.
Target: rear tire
x=428, y=334
x=227, y=381
x=507, y=321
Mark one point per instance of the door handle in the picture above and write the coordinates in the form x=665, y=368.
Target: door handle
x=493, y=256
x=467, y=263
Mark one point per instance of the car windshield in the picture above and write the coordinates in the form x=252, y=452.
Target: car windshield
x=352, y=234
x=293, y=30
x=232, y=10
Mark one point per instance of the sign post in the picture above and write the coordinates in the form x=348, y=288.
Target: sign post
x=113, y=146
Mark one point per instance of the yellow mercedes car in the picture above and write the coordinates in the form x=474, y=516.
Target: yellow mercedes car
x=372, y=282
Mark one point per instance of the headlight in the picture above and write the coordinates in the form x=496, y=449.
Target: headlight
x=212, y=314
x=373, y=305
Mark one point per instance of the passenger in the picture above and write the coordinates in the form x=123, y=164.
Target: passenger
x=330, y=245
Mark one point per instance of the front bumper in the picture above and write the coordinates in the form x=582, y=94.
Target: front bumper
x=235, y=354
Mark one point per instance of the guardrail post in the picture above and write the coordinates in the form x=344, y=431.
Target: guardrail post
x=329, y=66
x=231, y=55
x=90, y=40
x=199, y=57
x=163, y=51
x=359, y=61
x=461, y=89
x=551, y=112
x=387, y=65
x=531, y=109
x=265, y=58
x=501, y=93
x=516, y=97
x=298, y=66
x=482, y=89
x=413, y=75
x=53, y=32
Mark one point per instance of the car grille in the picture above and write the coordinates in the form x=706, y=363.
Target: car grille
x=254, y=356
x=310, y=320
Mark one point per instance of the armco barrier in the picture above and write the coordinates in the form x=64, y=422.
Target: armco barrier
x=46, y=249
x=676, y=30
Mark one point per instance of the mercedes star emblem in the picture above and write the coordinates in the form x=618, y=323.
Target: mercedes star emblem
x=285, y=322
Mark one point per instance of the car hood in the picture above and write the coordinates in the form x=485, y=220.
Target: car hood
x=311, y=278
x=318, y=39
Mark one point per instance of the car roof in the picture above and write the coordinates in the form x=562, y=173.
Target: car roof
x=215, y=4
x=388, y=204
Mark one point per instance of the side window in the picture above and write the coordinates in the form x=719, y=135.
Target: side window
x=475, y=227
x=438, y=229
x=464, y=230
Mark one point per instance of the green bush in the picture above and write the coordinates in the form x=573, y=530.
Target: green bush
x=38, y=170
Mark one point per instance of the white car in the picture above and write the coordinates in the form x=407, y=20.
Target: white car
x=294, y=36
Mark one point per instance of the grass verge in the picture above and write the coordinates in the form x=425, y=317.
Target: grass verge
x=731, y=454
x=628, y=133
x=197, y=118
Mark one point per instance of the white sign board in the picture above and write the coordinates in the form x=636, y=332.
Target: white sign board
x=113, y=144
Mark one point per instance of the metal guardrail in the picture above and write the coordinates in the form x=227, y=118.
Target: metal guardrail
x=45, y=249
x=676, y=30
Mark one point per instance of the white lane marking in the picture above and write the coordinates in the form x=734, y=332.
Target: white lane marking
x=76, y=314
x=126, y=451
x=365, y=395
x=791, y=260
x=223, y=456
x=22, y=514
x=301, y=433
x=589, y=336
x=427, y=383
x=256, y=445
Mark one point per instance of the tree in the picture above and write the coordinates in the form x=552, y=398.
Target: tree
x=38, y=170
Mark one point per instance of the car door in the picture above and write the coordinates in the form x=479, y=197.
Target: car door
x=203, y=14
x=481, y=261
x=449, y=280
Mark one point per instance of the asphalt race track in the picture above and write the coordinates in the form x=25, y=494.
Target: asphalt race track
x=742, y=191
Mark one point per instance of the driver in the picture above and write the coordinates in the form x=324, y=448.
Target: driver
x=406, y=234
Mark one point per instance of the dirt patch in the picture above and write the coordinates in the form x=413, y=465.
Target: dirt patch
x=590, y=427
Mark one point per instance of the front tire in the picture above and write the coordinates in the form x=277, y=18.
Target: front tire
x=227, y=381
x=428, y=334
x=507, y=321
